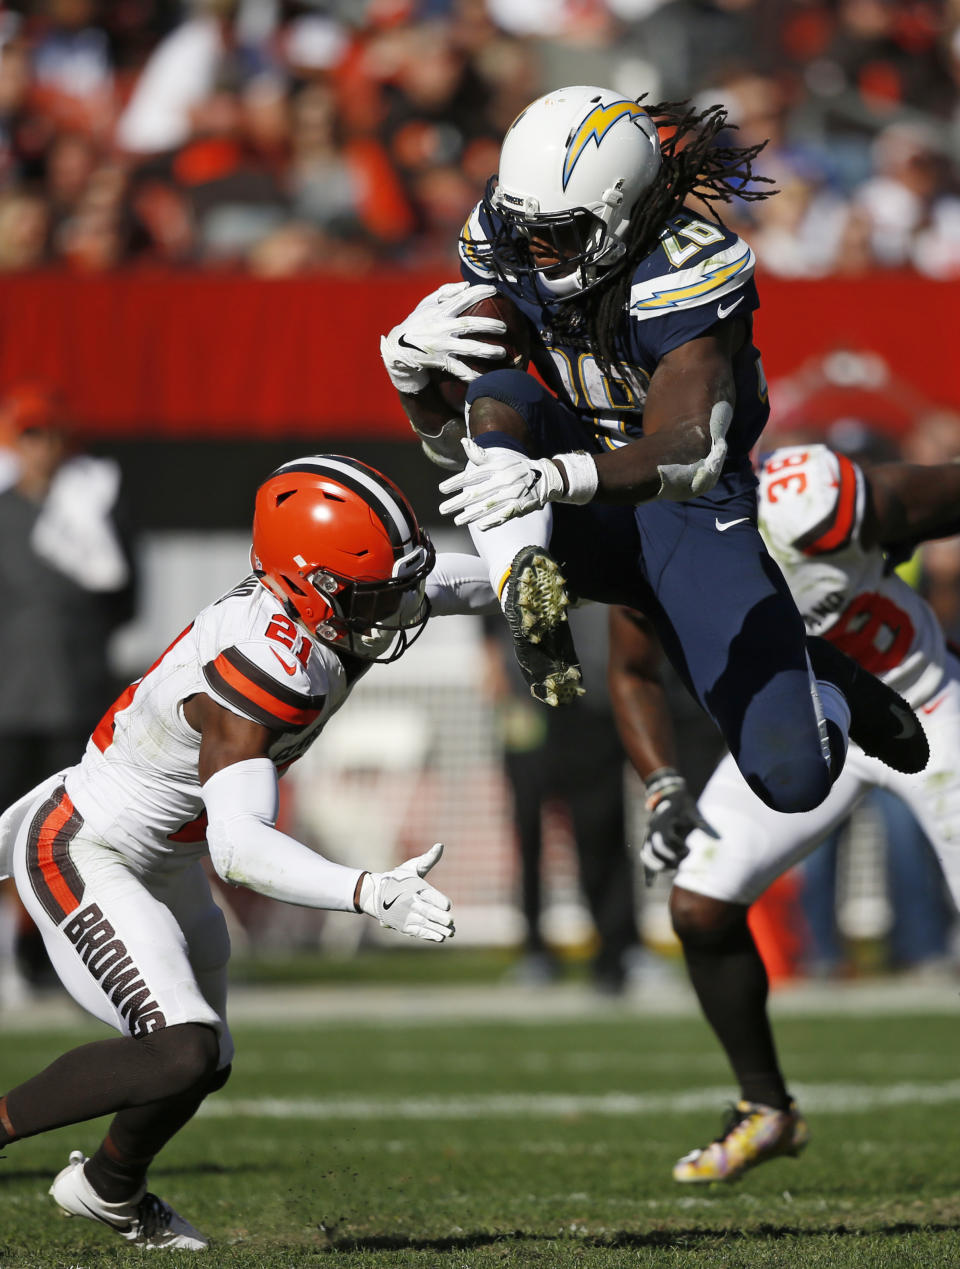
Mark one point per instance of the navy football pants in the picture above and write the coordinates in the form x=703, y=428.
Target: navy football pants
x=719, y=603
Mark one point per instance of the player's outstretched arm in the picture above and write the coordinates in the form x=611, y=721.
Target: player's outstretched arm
x=459, y=584
x=401, y=900
x=643, y=720
x=239, y=789
x=909, y=503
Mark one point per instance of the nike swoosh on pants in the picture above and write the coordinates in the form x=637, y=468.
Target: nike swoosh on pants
x=722, y=526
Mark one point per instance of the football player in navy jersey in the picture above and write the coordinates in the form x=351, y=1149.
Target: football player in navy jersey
x=623, y=473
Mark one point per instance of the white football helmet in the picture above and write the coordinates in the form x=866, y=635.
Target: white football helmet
x=573, y=167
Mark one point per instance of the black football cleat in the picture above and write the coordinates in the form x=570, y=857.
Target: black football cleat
x=881, y=721
x=536, y=610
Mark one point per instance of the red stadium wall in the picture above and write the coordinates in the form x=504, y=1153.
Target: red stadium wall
x=200, y=355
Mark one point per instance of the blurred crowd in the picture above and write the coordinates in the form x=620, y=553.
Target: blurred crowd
x=277, y=136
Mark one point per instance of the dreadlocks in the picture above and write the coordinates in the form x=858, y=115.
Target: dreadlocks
x=692, y=163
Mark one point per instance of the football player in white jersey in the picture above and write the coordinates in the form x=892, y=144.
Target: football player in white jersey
x=836, y=531
x=107, y=855
x=622, y=473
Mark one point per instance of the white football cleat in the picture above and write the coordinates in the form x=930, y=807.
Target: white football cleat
x=143, y=1220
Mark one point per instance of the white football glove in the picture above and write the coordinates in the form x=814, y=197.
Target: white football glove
x=672, y=817
x=498, y=484
x=402, y=900
x=434, y=337
x=680, y=481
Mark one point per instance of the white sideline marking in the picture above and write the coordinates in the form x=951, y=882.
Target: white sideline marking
x=821, y=1098
x=365, y=1005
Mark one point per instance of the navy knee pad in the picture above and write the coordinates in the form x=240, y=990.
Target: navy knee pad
x=515, y=388
x=793, y=786
x=552, y=426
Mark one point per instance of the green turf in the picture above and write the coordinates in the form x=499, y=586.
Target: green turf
x=398, y=1181
x=409, y=965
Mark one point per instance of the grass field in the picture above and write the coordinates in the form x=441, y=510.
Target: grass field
x=525, y=1142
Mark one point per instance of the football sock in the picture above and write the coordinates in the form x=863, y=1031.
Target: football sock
x=499, y=545
x=730, y=980
x=117, y=1176
x=119, y=1167
x=111, y=1075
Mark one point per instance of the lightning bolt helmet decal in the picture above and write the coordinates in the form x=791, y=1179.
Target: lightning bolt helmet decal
x=570, y=177
x=595, y=127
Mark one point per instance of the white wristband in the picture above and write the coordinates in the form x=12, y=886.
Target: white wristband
x=581, y=474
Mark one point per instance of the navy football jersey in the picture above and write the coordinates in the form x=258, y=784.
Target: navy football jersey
x=698, y=274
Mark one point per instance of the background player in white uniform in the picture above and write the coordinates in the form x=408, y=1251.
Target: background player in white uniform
x=836, y=531
x=107, y=855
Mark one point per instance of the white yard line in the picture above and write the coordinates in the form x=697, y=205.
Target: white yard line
x=403, y=1005
x=818, y=1098
x=569, y=1003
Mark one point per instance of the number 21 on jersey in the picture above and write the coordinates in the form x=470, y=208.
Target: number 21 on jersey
x=283, y=631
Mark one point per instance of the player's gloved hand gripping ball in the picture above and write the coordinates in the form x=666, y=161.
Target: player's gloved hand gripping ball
x=401, y=900
x=436, y=336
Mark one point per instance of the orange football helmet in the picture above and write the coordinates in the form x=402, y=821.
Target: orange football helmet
x=340, y=547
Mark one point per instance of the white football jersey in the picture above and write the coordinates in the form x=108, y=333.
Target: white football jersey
x=137, y=785
x=812, y=505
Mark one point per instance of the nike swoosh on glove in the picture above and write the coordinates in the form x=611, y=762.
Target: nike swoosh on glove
x=498, y=484
x=435, y=337
x=401, y=900
x=672, y=817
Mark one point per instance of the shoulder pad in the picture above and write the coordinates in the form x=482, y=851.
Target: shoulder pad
x=811, y=499
x=696, y=262
x=265, y=684
x=473, y=246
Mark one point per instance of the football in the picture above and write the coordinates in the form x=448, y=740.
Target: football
x=516, y=342
x=436, y=413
